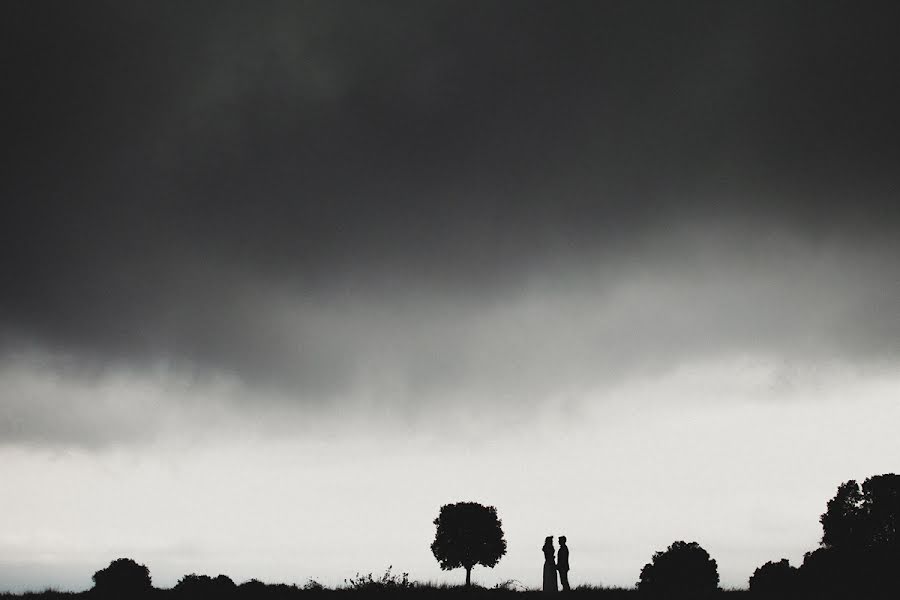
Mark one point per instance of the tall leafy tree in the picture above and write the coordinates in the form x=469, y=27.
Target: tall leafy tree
x=881, y=502
x=468, y=534
x=842, y=522
x=864, y=517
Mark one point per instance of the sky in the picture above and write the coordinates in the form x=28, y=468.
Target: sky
x=280, y=279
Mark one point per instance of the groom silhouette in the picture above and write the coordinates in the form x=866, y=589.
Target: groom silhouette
x=562, y=563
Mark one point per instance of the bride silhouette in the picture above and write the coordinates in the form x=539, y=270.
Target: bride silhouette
x=549, y=565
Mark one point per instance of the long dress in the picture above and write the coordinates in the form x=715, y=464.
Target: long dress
x=549, y=569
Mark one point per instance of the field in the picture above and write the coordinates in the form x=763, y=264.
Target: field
x=254, y=590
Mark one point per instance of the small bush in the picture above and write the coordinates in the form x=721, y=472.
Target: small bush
x=510, y=585
x=123, y=577
x=312, y=585
x=774, y=578
x=201, y=586
x=388, y=581
x=683, y=568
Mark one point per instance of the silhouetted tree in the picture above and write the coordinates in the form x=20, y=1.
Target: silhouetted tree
x=881, y=506
x=831, y=571
x=683, y=568
x=123, y=577
x=842, y=525
x=774, y=578
x=860, y=542
x=468, y=534
x=864, y=517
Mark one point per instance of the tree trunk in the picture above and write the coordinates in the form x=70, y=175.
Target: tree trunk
x=468, y=576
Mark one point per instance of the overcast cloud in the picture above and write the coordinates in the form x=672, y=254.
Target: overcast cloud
x=303, y=220
x=433, y=199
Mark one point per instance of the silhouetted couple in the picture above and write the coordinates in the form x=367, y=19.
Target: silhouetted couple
x=551, y=566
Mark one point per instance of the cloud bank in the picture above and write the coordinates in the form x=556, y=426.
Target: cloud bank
x=418, y=207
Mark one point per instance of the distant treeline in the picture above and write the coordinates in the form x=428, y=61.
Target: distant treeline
x=859, y=553
x=858, y=557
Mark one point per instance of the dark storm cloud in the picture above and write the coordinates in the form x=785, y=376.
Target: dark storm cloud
x=323, y=195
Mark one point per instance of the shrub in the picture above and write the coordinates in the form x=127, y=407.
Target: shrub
x=774, y=578
x=200, y=586
x=683, y=568
x=313, y=585
x=388, y=581
x=123, y=577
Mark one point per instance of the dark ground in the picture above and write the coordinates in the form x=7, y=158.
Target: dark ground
x=285, y=592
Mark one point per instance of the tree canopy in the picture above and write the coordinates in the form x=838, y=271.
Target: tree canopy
x=863, y=517
x=683, y=568
x=123, y=576
x=468, y=534
x=774, y=578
